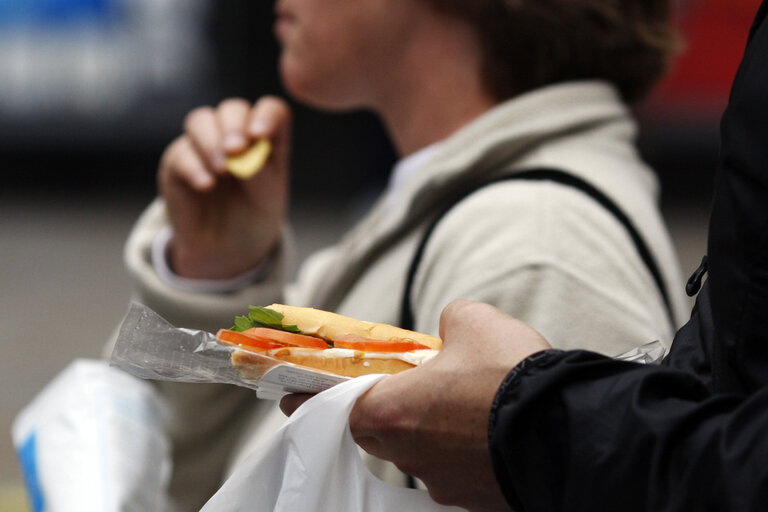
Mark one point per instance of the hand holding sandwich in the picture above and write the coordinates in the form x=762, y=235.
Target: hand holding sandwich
x=432, y=421
x=224, y=225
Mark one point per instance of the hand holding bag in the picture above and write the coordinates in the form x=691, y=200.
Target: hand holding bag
x=313, y=464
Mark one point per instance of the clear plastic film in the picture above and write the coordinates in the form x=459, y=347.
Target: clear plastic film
x=650, y=353
x=150, y=347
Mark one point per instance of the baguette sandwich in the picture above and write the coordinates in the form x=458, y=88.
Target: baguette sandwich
x=323, y=341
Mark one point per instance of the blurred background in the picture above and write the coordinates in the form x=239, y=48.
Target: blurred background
x=91, y=91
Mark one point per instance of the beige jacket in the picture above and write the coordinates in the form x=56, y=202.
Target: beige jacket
x=541, y=251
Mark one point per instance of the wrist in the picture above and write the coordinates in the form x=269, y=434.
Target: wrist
x=168, y=274
x=194, y=262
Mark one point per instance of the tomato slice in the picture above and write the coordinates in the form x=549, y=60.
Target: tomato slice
x=369, y=345
x=239, y=338
x=284, y=337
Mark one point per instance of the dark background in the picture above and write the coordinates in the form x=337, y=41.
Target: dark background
x=339, y=154
x=82, y=154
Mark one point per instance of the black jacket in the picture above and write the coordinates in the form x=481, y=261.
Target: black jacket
x=578, y=431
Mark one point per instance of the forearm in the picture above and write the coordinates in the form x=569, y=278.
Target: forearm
x=577, y=431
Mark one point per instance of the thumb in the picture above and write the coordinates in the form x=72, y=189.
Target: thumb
x=271, y=118
x=479, y=331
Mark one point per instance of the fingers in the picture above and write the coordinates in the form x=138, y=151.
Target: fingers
x=464, y=323
x=483, y=332
x=271, y=118
x=362, y=418
x=181, y=161
x=378, y=414
x=372, y=444
x=199, y=156
x=452, y=315
x=232, y=116
x=289, y=403
x=201, y=127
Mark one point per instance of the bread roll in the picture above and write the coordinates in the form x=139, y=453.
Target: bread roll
x=330, y=326
x=253, y=363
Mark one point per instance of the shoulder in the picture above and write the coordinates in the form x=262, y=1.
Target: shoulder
x=532, y=220
x=538, y=247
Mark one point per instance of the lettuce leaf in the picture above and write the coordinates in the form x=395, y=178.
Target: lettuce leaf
x=262, y=317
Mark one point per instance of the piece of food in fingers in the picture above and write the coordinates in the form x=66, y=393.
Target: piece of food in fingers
x=323, y=341
x=250, y=162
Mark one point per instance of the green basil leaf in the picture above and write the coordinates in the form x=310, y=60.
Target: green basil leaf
x=291, y=328
x=242, y=323
x=263, y=317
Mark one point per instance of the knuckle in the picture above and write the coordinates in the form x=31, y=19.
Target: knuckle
x=387, y=420
x=442, y=494
x=462, y=308
x=460, y=315
x=410, y=466
x=270, y=100
x=275, y=105
x=234, y=104
x=454, y=310
x=195, y=116
x=171, y=152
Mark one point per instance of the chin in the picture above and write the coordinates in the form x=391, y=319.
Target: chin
x=317, y=93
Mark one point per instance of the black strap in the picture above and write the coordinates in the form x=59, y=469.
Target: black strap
x=407, y=320
x=693, y=285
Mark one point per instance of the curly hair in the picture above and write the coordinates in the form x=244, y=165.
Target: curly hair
x=533, y=43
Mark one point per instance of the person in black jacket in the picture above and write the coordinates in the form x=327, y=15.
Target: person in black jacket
x=579, y=431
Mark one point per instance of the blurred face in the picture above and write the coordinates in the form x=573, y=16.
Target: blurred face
x=341, y=53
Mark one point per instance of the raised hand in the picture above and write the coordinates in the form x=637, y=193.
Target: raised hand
x=224, y=225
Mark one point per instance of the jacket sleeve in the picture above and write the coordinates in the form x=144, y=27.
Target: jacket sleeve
x=579, y=431
x=738, y=229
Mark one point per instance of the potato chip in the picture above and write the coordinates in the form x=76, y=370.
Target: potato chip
x=248, y=163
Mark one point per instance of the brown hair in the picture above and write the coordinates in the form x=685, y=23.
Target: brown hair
x=532, y=43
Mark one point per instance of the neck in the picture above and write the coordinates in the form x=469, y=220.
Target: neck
x=438, y=90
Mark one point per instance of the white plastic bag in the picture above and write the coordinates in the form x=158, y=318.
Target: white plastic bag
x=94, y=439
x=313, y=464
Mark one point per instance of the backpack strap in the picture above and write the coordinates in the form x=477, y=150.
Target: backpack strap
x=407, y=320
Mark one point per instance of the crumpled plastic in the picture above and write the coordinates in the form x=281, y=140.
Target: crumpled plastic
x=312, y=463
x=94, y=439
x=149, y=347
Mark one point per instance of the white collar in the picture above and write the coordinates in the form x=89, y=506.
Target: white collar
x=404, y=169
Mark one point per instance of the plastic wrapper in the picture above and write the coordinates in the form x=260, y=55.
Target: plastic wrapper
x=150, y=347
x=650, y=353
x=94, y=439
